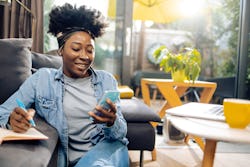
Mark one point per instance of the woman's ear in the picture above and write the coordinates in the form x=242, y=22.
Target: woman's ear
x=59, y=51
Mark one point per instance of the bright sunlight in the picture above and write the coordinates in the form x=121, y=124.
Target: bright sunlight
x=190, y=8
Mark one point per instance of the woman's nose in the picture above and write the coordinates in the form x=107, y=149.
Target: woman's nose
x=84, y=55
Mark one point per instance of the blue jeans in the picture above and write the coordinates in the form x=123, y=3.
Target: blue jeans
x=106, y=154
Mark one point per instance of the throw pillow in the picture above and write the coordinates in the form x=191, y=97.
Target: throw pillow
x=125, y=92
x=15, y=65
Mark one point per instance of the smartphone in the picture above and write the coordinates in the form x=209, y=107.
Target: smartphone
x=112, y=95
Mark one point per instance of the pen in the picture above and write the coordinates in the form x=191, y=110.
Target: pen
x=21, y=105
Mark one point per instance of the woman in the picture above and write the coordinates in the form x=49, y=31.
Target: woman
x=67, y=98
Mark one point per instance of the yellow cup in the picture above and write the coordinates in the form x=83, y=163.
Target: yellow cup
x=237, y=112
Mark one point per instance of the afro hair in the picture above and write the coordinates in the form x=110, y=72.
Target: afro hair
x=67, y=16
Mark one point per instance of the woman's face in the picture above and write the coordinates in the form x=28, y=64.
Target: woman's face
x=78, y=55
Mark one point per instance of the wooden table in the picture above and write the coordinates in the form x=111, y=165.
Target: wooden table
x=172, y=91
x=212, y=131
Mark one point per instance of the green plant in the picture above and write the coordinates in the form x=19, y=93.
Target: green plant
x=188, y=60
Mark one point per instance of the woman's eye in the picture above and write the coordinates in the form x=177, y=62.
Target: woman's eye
x=90, y=49
x=75, y=49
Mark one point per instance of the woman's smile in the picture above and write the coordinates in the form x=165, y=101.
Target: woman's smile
x=82, y=65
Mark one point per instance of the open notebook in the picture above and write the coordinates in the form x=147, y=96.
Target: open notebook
x=199, y=110
x=31, y=134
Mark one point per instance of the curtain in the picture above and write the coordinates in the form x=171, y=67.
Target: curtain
x=24, y=20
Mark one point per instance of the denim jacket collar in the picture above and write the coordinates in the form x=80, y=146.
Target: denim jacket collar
x=94, y=78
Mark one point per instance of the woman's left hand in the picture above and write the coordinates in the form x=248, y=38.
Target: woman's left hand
x=105, y=116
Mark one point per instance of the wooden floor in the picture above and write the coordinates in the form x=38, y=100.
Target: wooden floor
x=190, y=158
x=181, y=155
x=187, y=156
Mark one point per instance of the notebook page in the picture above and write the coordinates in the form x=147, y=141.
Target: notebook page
x=31, y=134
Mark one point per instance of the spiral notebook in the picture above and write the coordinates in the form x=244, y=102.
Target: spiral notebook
x=198, y=110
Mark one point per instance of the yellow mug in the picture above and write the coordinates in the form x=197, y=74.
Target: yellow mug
x=237, y=112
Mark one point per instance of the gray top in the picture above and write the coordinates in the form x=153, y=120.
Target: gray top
x=78, y=100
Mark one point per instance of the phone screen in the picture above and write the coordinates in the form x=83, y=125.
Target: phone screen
x=112, y=95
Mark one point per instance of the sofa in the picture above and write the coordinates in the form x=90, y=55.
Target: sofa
x=17, y=63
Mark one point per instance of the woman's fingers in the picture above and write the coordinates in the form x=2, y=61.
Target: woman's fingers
x=19, y=120
x=31, y=113
x=112, y=106
x=105, y=116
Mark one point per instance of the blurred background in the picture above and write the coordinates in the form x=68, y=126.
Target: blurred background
x=219, y=29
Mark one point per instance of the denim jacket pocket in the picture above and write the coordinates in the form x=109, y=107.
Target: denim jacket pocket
x=46, y=107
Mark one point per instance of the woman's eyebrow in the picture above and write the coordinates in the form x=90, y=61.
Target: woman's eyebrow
x=79, y=43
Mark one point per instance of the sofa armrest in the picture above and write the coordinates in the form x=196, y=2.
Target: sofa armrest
x=31, y=152
x=134, y=110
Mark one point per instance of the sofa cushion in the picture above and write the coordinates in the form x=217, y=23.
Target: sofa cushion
x=134, y=110
x=15, y=65
x=40, y=60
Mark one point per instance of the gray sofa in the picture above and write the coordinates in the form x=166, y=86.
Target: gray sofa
x=16, y=64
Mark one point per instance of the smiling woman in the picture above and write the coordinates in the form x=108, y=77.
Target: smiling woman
x=67, y=97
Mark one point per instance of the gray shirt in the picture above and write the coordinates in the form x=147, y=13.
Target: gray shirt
x=78, y=100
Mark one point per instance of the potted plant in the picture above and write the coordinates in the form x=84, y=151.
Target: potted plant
x=184, y=65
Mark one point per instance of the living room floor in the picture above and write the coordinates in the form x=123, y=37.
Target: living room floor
x=182, y=155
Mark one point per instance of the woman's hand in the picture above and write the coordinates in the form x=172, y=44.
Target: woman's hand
x=105, y=116
x=19, y=119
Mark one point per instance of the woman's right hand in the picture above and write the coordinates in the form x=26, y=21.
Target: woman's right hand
x=19, y=119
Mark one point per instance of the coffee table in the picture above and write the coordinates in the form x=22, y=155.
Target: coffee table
x=212, y=132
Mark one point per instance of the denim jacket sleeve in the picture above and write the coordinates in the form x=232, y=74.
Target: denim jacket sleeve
x=118, y=130
x=25, y=93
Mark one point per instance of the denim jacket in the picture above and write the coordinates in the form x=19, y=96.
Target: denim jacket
x=45, y=89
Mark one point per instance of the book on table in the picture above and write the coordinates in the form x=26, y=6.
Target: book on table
x=31, y=134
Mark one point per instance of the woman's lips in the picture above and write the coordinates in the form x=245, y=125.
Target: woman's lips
x=82, y=65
